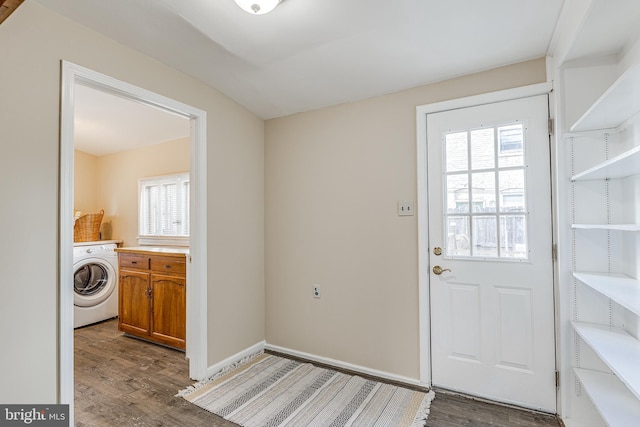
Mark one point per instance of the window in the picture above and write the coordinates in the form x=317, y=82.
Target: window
x=163, y=210
x=510, y=138
x=486, y=215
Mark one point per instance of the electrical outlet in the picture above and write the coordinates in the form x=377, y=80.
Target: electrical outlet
x=405, y=208
x=316, y=291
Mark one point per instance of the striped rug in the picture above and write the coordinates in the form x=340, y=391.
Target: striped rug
x=268, y=390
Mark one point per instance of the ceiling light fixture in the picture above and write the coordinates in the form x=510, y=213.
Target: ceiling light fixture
x=257, y=7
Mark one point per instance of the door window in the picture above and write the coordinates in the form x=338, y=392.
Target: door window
x=485, y=193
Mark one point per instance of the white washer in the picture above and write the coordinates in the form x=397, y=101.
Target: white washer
x=95, y=282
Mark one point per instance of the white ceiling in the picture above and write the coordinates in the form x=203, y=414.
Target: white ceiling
x=309, y=54
x=607, y=29
x=106, y=124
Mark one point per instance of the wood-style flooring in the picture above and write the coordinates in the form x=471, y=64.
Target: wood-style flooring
x=121, y=381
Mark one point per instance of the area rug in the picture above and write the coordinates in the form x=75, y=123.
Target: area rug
x=268, y=390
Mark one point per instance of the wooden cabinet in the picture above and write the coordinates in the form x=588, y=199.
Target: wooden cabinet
x=152, y=296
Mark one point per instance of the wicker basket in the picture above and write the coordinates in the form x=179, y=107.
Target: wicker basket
x=87, y=227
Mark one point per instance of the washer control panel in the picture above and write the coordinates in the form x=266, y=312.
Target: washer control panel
x=79, y=251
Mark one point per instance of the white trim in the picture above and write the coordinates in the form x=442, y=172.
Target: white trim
x=571, y=21
x=197, y=274
x=345, y=365
x=424, y=319
x=166, y=241
x=262, y=346
x=486, y=98
x=232, y=360
x=65, y=321
x=197, y=301
x=424, y=313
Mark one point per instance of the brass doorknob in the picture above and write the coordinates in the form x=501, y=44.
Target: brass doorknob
x=439, y=270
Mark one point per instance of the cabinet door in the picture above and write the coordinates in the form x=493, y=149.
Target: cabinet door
x=168, y=311
x=134, y=302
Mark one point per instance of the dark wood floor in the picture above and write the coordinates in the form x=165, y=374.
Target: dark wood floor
x=121, y=381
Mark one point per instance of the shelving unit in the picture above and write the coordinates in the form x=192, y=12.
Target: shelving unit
x=620, y=102
x=619, y=350
x=617, y=227
x=615, y=403
x=615, y=396
x=622, y=166
x=620, y=288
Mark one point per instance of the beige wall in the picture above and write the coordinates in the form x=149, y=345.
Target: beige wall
x=118, y=176
x=110, y=182
x=85, y=182
x=333, y=180
x=35, y=42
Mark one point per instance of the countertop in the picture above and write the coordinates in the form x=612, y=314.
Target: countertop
x=155, y=250
x=98, y=242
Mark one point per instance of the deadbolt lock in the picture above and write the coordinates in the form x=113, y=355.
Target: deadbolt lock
x=437, y=250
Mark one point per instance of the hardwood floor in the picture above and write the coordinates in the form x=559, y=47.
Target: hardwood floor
x=450, y=410
x=121, y=381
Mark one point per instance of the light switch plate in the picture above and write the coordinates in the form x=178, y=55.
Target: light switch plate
x=405, y=208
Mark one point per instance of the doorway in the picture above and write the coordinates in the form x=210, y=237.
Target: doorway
x=486, y=250
x=196, y=293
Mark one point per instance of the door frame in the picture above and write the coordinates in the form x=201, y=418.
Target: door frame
x=424, y=313
x=196, y=350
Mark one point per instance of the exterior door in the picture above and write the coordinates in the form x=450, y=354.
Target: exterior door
x=490, y=248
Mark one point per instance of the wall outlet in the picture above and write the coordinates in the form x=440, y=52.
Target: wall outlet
x=405, y=208
x=316, y=291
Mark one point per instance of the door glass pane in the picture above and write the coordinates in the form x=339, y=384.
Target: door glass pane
x=483, y=190
x=457, y=193
x=456, y=152
x=475, y=225
x=510, y=146
x=458, y=236
x=513, y=236
x=482, y=149
x=512, y=190
x=485, y=236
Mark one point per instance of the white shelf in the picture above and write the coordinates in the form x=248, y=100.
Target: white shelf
x=619, y=350
x=620, y=288
x=617, y=406
x=626, y=164
x=619, y=227
x=620, y=102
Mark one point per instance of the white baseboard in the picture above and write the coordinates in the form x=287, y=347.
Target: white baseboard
x=214, y=369
x=347, y=366
x=262, y=345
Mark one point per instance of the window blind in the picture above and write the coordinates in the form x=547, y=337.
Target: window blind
x=164, y=206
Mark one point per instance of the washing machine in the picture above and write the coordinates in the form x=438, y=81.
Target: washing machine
x=95, y=282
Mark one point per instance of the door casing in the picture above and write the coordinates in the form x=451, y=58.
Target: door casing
x=197, y=271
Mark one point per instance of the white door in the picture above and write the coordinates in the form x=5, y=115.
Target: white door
x=489, y=197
